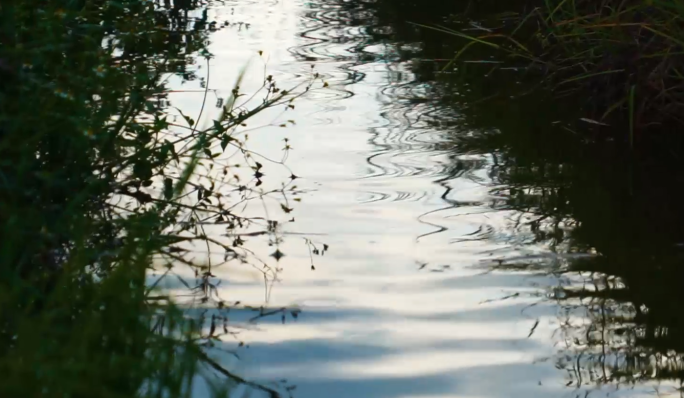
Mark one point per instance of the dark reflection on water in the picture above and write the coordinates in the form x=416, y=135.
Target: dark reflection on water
x=613, y=219
x=587, y=200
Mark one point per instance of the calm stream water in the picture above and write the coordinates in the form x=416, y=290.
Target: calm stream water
x=463, y=261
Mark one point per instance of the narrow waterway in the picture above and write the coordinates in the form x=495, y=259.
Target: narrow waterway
x=432, y=285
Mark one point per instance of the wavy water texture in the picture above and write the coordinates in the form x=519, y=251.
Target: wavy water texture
x=414, y=297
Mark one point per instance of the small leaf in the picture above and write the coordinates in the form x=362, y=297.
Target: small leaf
x=142, y=170
x=277, y=254
x=219, y=127
x=168, y=188
x=225, y=140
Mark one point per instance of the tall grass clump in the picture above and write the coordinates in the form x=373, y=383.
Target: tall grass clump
x=623, y=58
x=99, y=186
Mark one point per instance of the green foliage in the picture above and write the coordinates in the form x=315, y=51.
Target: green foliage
x=99, y=186
x=624, y=59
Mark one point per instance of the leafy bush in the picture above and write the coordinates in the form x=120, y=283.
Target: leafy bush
x=97, y=186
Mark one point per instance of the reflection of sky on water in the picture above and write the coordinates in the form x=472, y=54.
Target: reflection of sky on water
x=401, y=305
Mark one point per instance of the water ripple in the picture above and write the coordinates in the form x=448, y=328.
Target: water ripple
x=392, y=191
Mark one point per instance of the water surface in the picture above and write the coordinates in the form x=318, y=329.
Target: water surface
x=472, y=253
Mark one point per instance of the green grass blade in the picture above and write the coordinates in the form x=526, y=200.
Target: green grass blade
x=631, y=116
x=582, y=77
x=459, y=34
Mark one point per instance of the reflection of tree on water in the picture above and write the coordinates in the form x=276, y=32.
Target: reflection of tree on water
x=575, y=192
x=621, y=319
x=627, y=334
